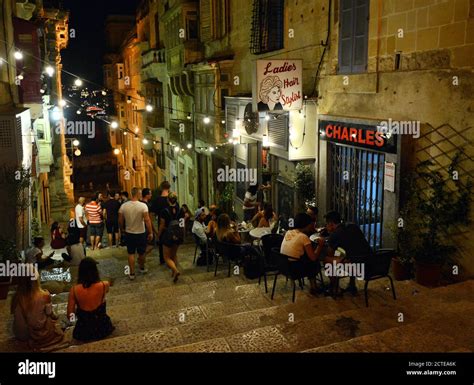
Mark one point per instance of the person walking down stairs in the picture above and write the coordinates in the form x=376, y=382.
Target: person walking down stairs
x=133, y=217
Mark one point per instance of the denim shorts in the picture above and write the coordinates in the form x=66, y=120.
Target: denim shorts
x=96, y=229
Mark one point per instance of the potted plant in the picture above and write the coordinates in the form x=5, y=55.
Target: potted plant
x=8, y=252
x=305, y=184
x=442, y=202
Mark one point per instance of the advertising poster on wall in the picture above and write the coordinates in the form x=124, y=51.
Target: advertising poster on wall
x=279, y=85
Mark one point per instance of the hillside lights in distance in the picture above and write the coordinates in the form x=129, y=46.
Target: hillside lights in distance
x=18, y=55
x=49, y=71
x=78, y=82
x=114, y=125
x=117, y=151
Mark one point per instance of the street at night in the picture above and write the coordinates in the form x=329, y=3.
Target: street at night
x=236, y=176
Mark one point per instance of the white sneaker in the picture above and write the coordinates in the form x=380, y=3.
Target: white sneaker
x=132, y=277
x=143, y=271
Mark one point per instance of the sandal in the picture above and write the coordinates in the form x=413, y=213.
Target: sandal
x=176, y=276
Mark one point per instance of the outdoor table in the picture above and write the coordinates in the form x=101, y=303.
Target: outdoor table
x=244, y=233
x=259, y=232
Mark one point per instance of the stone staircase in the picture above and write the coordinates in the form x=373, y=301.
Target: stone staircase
x=203, y=313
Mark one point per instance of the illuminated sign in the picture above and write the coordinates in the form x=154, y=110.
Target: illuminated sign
x=279, y=85
x=358, y=135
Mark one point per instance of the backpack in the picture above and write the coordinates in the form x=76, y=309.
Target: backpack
x=174, y=232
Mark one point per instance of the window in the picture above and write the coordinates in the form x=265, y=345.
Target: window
x=221, y=18
x=353, y=36
x=267, y=26
x=191, y=25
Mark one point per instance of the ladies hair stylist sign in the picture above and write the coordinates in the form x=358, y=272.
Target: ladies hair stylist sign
x=279, y=85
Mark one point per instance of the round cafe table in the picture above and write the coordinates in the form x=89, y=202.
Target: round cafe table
x=259, y=232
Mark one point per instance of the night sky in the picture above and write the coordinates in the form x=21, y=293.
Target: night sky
x=83, y=56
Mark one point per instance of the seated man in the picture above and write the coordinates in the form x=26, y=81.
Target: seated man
x=350, y=238
x=199, y=229
x=313, y=211
x=35, y=254
x=297, y=244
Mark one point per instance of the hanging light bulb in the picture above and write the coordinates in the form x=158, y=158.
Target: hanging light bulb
x=145, y=141
x=207, y=120
x=116, y=151
x=265, y=141
x=18, y=55
x=78, y=82
x=42, y=91
x=104, y=93
x=267, y=117
x=77, y=152
x=49, y=70
x=189, y=117
x=149, y=107
x=62, y=103
x=125, y=133
x=189, y=146
x=20, y=77
x=223, y=121
x=114, y=125
x=136, y=130
x=78, y=112
x=75, y=143
x=211, y=149
x=176, y=149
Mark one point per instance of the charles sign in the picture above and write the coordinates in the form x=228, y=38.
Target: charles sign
x=279, y=85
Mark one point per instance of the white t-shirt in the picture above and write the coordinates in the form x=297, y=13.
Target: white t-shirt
x=132, y=212
x=294, y=243
x=80, y=213
x=250, y=199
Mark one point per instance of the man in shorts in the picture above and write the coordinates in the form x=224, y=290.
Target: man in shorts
x=133, y=218
x=111, y=208
x=96, y=223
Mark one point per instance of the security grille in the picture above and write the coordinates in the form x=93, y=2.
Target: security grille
x=267, y=26
x=357, y=189
x=278, y=131
x=6, y=134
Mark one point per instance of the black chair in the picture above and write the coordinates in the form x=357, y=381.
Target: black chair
x=227, y=250
x=289, y=267
x=377, y=266
x=268, y=264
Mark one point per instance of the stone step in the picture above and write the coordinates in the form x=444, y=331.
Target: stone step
x=269, y=329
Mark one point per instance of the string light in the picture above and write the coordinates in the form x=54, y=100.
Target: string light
x=265, y=141
x=78, y=82
x=207, y=120
x=114, y=125
x=267, y=117
x=189, y=117
x=77, y=152
x=116, y=151
x=62, y=103
x=76, y=143
x=149, y=108
x=49, y=70
x=18, y=55
x=211, y=149
x=189, y=146
x=145, y=141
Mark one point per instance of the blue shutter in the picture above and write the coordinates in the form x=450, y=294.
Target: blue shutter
x=353, y=36
x=346, y=28
x=361, y=36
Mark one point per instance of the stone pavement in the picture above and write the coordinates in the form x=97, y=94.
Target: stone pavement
x=203, y=313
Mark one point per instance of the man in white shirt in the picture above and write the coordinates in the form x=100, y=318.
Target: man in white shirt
x=81, y=219
x=133, y=216
x=199, y=229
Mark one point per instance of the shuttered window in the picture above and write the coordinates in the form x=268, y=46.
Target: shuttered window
x=353, y=36
x=205, y=20
x=278, y=131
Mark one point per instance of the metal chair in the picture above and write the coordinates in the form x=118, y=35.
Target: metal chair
x=227, y=250
x=288, y=267
x=268, y=263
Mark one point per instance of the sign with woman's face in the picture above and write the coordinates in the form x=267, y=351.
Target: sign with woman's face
x=279, y=85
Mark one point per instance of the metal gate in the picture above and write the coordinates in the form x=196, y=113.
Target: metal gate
x=356, y=180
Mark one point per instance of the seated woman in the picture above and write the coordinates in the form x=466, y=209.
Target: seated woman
x=34, y=321
x=212, y=225
x=268, y=218
x=297, y=244
x=58, y=239
x=87, y=304
x=227, y=232
x=75, y=249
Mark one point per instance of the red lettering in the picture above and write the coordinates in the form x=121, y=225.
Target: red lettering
x=353, y=133
x=379, y=140
x=369, y=137
x=329, y=131
x=345, y=134
x=360, y=136
x=337, y=132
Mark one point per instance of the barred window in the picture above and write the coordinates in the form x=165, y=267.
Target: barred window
x=267, y=26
